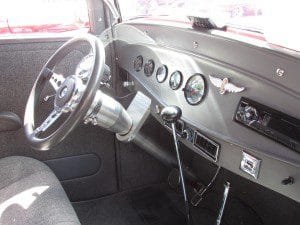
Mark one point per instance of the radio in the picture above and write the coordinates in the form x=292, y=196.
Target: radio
x=276, y=125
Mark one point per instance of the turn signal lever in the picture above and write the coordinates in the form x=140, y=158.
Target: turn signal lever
x=171, y=114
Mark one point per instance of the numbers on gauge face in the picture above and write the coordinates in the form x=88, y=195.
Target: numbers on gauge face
x=162, y=73
x=175, y=80
x=149, y=67
x=138, y=63
x=194, y=89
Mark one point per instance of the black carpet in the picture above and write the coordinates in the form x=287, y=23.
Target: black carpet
x=155, y=208
x=149, y=206
x=158, y=205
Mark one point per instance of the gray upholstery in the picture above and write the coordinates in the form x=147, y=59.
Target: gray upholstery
x=31, y=194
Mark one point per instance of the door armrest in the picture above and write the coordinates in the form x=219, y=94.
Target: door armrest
x=9, y=121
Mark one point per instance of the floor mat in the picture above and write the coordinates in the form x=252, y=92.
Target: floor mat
x=149, y=206
x=155, y=208
x=159, y=205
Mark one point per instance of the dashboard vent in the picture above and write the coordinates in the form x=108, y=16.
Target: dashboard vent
x=206, y=145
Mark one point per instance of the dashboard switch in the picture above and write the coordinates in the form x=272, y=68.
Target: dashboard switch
x=250, y=165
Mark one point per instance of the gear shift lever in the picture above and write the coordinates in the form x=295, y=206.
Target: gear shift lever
x=172, y=114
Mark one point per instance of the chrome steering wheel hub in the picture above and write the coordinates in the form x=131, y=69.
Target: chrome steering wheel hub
x=68, y=94
x=65, y=92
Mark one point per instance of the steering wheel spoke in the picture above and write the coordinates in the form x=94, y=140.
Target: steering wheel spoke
x=51, y=118
x=56, y=80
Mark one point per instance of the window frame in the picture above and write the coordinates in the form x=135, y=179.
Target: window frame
x=97, y=24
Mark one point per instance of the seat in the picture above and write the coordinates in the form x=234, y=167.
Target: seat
x=30, y=193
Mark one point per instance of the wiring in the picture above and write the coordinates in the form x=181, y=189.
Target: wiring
x=199, y=194
x=125, y=96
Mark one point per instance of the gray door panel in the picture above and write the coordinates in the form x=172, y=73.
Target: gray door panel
x=20, y=63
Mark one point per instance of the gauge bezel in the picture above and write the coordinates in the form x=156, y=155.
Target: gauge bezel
x=134, y=62
x=204, y=92
x=181, y=80
x=165, y=74
x=147, y=63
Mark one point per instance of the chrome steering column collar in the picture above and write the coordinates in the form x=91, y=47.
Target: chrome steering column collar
x=106, y=112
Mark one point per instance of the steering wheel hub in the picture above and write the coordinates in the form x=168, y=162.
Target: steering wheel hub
x=65, y=92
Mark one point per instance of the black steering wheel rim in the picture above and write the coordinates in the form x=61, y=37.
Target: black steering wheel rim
x=85, y=102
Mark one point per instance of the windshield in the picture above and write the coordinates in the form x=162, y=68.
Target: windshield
x=43, y=17
x=271, y=21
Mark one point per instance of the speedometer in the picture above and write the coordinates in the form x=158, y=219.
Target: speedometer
x=194, y=89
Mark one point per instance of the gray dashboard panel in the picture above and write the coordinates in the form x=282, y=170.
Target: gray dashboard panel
x=244, y=65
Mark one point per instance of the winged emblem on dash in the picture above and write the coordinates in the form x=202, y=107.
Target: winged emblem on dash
x=224, y=85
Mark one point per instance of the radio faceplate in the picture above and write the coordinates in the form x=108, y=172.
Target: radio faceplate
x=276, y=125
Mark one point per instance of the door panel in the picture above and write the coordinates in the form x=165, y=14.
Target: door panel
x=20, y=63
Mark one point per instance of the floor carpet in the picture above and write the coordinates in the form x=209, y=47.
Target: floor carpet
x=148, y=206
x=159, y=205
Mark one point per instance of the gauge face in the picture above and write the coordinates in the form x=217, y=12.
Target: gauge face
x=149, y=67
x=194, y=89
x=162, y=73
x=138, y=63
x=84, y=67
x=175, y=80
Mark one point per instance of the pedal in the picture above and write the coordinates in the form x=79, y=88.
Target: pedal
x=198, y=194
x=174, y=179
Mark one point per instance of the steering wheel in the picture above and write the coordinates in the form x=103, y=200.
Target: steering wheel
x=72, y=94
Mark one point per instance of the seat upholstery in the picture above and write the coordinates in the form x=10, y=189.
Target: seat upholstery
x=31, y=194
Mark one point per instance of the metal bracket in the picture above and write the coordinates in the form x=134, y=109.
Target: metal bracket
x=138, y=110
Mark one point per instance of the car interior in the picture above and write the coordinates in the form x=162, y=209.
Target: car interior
x=147, y=121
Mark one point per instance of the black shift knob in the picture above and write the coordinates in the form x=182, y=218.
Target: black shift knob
x=171, y=114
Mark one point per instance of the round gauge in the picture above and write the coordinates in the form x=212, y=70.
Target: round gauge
x=138, y=63
x=149, y=67
x=175, y=80
x=194, y=89
x=84, y=67
x=162, y=73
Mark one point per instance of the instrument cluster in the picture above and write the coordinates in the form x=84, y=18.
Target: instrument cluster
x=194, y=88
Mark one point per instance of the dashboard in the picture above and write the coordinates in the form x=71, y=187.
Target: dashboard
x=236, y=110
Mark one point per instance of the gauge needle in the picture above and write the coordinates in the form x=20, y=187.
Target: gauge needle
x=194, y=91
